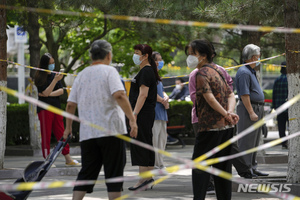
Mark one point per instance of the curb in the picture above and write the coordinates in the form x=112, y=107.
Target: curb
x=15, y=173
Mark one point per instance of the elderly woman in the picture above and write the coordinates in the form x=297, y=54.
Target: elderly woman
x=142, y=96
x=215, y=104
x=99, y=94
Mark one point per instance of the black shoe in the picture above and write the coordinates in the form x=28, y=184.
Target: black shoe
x=142, y=185
x=258, y=173
x=248, y=175
x=210, y=190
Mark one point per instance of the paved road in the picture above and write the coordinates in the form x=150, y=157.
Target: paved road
x=178, y=186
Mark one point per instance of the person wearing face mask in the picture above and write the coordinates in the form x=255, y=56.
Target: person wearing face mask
x=251, y=105
x=49, y=89
x=160, y=123
x=142, y=96
x=180, y=91
x=215, y=103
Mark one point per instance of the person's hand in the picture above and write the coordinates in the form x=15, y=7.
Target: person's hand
x=253, y=116
x=235, y=118
x=167, y=105
x=67, y=132
x=133, y=128
x=228, y=117
x=58, y=77
x=41, y=95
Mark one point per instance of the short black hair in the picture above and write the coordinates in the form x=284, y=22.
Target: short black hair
x=203, y=47
x=283, y=67
x=179, y=79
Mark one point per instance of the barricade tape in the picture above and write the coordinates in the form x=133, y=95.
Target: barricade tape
x=175, y=85
x=189, y=163
x=36, y=68
x=262, y=60
x=255, y=149
x=255, y=126
x=274, y=65
x=157, y=21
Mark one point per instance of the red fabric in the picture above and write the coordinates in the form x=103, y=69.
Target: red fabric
x=51, y=122
x=268, y=100
x=175, y=127
x=4, y=196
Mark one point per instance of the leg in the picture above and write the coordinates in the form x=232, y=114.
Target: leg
x=113, y=195
x=91, y=157
x=203, y=143
x=113, y=153
x=247, y=141
x=156, y=131
x=58, y=131
x=210, y=186
x=281, y=122
x=78, y=195
x=46, y=119
x=223, y=186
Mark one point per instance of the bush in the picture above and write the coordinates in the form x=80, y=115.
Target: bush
x=184, y=108
x=17, y=127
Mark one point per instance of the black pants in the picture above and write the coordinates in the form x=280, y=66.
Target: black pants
x=205, y=141
x=139, y=155
x=106, y=151
x=282, y=119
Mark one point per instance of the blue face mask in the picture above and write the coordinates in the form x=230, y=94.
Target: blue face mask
x=136, y=59
x=257, y=64
x=51, y=67
x=160, y=64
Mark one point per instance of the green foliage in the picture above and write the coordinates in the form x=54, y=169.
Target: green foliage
x=268, y=94
x=184, y=108
x=17, y=128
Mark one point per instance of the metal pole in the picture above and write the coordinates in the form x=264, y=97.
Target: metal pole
x=21, y=71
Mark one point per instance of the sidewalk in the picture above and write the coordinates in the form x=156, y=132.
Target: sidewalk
x=178, y=186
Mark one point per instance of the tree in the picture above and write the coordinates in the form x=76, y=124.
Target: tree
x=252, y=12
x=292, y=42
x=3, y=82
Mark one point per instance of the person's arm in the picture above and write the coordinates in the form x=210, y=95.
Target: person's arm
x=192, y=87
x=174, y=93
x=231, y=106
x=50, y=88
x=159, y=99
x=57, y=92
x=123, y=102
x=71, y=108
x=247, y=103
x=141, y=99
x=211, y=100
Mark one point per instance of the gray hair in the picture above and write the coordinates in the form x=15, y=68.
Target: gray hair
x=100, y=49
x=249, y=51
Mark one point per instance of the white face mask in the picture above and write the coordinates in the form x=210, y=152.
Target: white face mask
x=136, y=59
x=178, y=87
x=192, y=61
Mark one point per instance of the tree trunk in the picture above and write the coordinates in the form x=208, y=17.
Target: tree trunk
x=34, y=123
x=3, y=82
x=34, y=48
x=292, y=42
x=34, y=38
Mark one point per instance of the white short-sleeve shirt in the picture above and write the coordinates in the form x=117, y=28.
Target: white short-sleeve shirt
x=92, y=92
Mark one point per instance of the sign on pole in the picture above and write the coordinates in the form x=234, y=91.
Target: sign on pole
x=20, y=39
